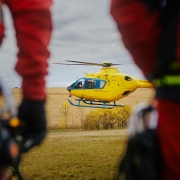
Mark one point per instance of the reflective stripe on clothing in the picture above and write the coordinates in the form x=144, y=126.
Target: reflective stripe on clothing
x=168, y=80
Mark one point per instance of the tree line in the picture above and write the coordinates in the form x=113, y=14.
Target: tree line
x=117, y=117
x=95, y=119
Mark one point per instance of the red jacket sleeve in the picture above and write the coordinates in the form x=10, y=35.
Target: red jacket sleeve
x=17, y=5
x=33, y=26
x=33, y=31
x=140, y=30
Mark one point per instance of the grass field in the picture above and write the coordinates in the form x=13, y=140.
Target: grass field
x=76, y=155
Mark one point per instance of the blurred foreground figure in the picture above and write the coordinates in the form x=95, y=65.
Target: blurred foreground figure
x=33, y=25
x=150, y=31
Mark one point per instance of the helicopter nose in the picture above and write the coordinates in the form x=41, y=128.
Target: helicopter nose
x=69, y=88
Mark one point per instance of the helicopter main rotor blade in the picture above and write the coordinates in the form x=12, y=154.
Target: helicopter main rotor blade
x=97, y=64
x=121, y=64
x=104, y=64
x=70, y=64
x=85, y=63
x=115, y=64
x=77, y=64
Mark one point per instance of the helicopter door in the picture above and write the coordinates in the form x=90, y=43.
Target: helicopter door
x=90, y=84
x=93, y=88
x=89, y=87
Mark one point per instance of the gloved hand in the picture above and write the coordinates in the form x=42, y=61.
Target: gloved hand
x=33, y=123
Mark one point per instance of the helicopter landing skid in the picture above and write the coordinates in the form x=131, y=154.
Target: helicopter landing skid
x=95, y=104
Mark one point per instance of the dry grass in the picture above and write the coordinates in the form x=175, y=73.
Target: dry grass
x=56, y=96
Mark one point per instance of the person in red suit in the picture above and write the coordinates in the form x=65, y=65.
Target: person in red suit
x=150, y=30
x=33, y=26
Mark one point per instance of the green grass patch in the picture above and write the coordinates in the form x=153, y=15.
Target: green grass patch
x=78, y=155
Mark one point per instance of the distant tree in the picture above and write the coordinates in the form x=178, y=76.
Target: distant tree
x=122, y=115
x=81, y=114
x=92, y=119
x=64, y=110
x=97, y=119
x=118, y=117
x=112, y=118
x=105, y=118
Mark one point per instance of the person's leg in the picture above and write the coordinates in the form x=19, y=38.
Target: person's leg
x=33, y=27
x=169, y=137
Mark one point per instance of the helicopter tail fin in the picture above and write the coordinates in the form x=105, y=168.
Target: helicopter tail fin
x=145, y=84
x=87, y=74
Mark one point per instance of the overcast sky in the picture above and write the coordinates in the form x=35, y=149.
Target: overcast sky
x=83, y=31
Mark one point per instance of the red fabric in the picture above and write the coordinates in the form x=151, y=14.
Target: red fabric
x=169, y=136
x=1, y=24
x=33, y=30
x=19, y=5
x=140, y=30
x=33, y=27
x=1, y=32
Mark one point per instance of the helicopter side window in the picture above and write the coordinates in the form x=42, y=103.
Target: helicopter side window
x=95, y=84
x=79, y=84
x=102, y=83
x=90, y=84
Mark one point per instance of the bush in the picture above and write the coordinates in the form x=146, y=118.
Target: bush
x=107, y=118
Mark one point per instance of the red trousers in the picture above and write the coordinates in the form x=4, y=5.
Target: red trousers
x=33, y=26
x=169, y=136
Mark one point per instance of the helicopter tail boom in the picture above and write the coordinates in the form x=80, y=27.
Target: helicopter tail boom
x=145, y=84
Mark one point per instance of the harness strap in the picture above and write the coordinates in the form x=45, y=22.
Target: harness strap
x=168, y=39
x=166, y=77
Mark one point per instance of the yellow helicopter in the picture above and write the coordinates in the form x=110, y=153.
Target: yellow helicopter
x=102, y=89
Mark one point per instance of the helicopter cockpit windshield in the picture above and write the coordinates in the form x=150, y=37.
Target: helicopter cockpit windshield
x=76, y=84
x=79, y=84
x=70, y=85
